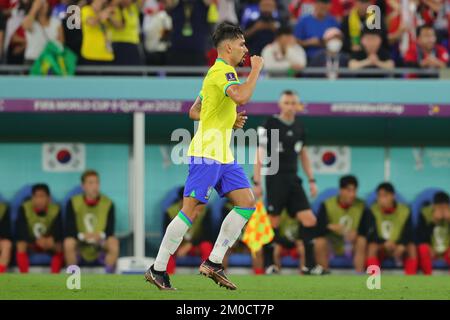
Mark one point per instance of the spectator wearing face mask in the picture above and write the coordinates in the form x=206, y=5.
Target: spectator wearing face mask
x=332, y=58
x=310, y=29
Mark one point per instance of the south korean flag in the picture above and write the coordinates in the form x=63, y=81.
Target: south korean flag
x=63, y=157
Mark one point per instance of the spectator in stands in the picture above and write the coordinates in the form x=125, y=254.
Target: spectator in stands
x=261, y=30
x=391, y=231
x=401, y=26
x=372, y=55
x=309, y=29
x=73, y=37
x=2, y=33
x=5, y=237
x=15, y=42
x=338, y=8
x=284, y=54
x=434, y=232
x=227, y=11
x=90, y=222
x=96, y=46
x=40, y=28
x=426, y=53
x=427, y=11
x=353, y=25
x=156, y=27
x=125, y=32
x=343, y=220
x=331, y=57
x=39, y=229
x=288, y=244
x=198, y=240
x=190, y=32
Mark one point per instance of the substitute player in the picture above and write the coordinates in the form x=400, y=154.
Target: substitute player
x=391, y=231
x=212, y=165
x=343, y=219
x=39, y=229
x=434, y=232
x=5, y=237
x=284, y=187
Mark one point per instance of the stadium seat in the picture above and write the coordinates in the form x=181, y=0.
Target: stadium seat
x=73, y=192
x=371, y=198
x=423, y=199
x=169, y=198
x=327, y=193
x=216, y=211
x=20, y=196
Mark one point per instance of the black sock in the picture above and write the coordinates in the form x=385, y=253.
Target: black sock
x=307, y=235
x=156, y=271
x=269, y=247
x=216, y=265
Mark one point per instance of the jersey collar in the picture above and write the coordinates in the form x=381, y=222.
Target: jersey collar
x=220, y=59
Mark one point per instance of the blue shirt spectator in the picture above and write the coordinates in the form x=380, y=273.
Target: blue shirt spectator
x=190, y=31
x=309, y=29
x=261, y=26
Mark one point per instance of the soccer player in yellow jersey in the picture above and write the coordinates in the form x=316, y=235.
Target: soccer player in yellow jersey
x=212, y=165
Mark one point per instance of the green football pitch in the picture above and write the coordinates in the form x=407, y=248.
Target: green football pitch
x=192, y=287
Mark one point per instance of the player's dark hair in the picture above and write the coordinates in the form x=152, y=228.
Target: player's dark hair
x=348, y=180
x=441, y=198
x=40, y=187
x=386, y=186
x=88, y=173
x=226, y=31
x=423, y=27
x=368, y=31
x=289, y=92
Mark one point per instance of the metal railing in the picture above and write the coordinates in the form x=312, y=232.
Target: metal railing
x=167, y=71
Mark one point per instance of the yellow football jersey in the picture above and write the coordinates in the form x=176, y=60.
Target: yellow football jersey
x=217, y=115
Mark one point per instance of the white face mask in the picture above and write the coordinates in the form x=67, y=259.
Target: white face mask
x=334, y=45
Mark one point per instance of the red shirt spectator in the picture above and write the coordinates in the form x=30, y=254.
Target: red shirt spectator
x=7, y=4
x=425, y=53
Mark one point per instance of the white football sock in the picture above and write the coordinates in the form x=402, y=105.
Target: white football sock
x=229, y=232
x=175, y=232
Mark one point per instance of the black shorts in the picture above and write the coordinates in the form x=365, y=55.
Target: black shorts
x=285, y=191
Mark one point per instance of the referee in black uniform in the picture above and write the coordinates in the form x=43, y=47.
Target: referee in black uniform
x=284, y=187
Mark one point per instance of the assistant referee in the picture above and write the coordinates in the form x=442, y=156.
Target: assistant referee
x=284, y=187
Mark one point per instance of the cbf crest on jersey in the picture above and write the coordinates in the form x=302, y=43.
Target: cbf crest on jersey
x=63, y=157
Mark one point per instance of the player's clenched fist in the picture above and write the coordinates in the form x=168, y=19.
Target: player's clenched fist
x=257, y=62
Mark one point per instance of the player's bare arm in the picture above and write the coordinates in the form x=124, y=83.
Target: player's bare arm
x=241, y=94
x=241, y=118
x=194, y=111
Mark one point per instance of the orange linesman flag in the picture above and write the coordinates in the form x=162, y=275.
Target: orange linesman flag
x=258, y=231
